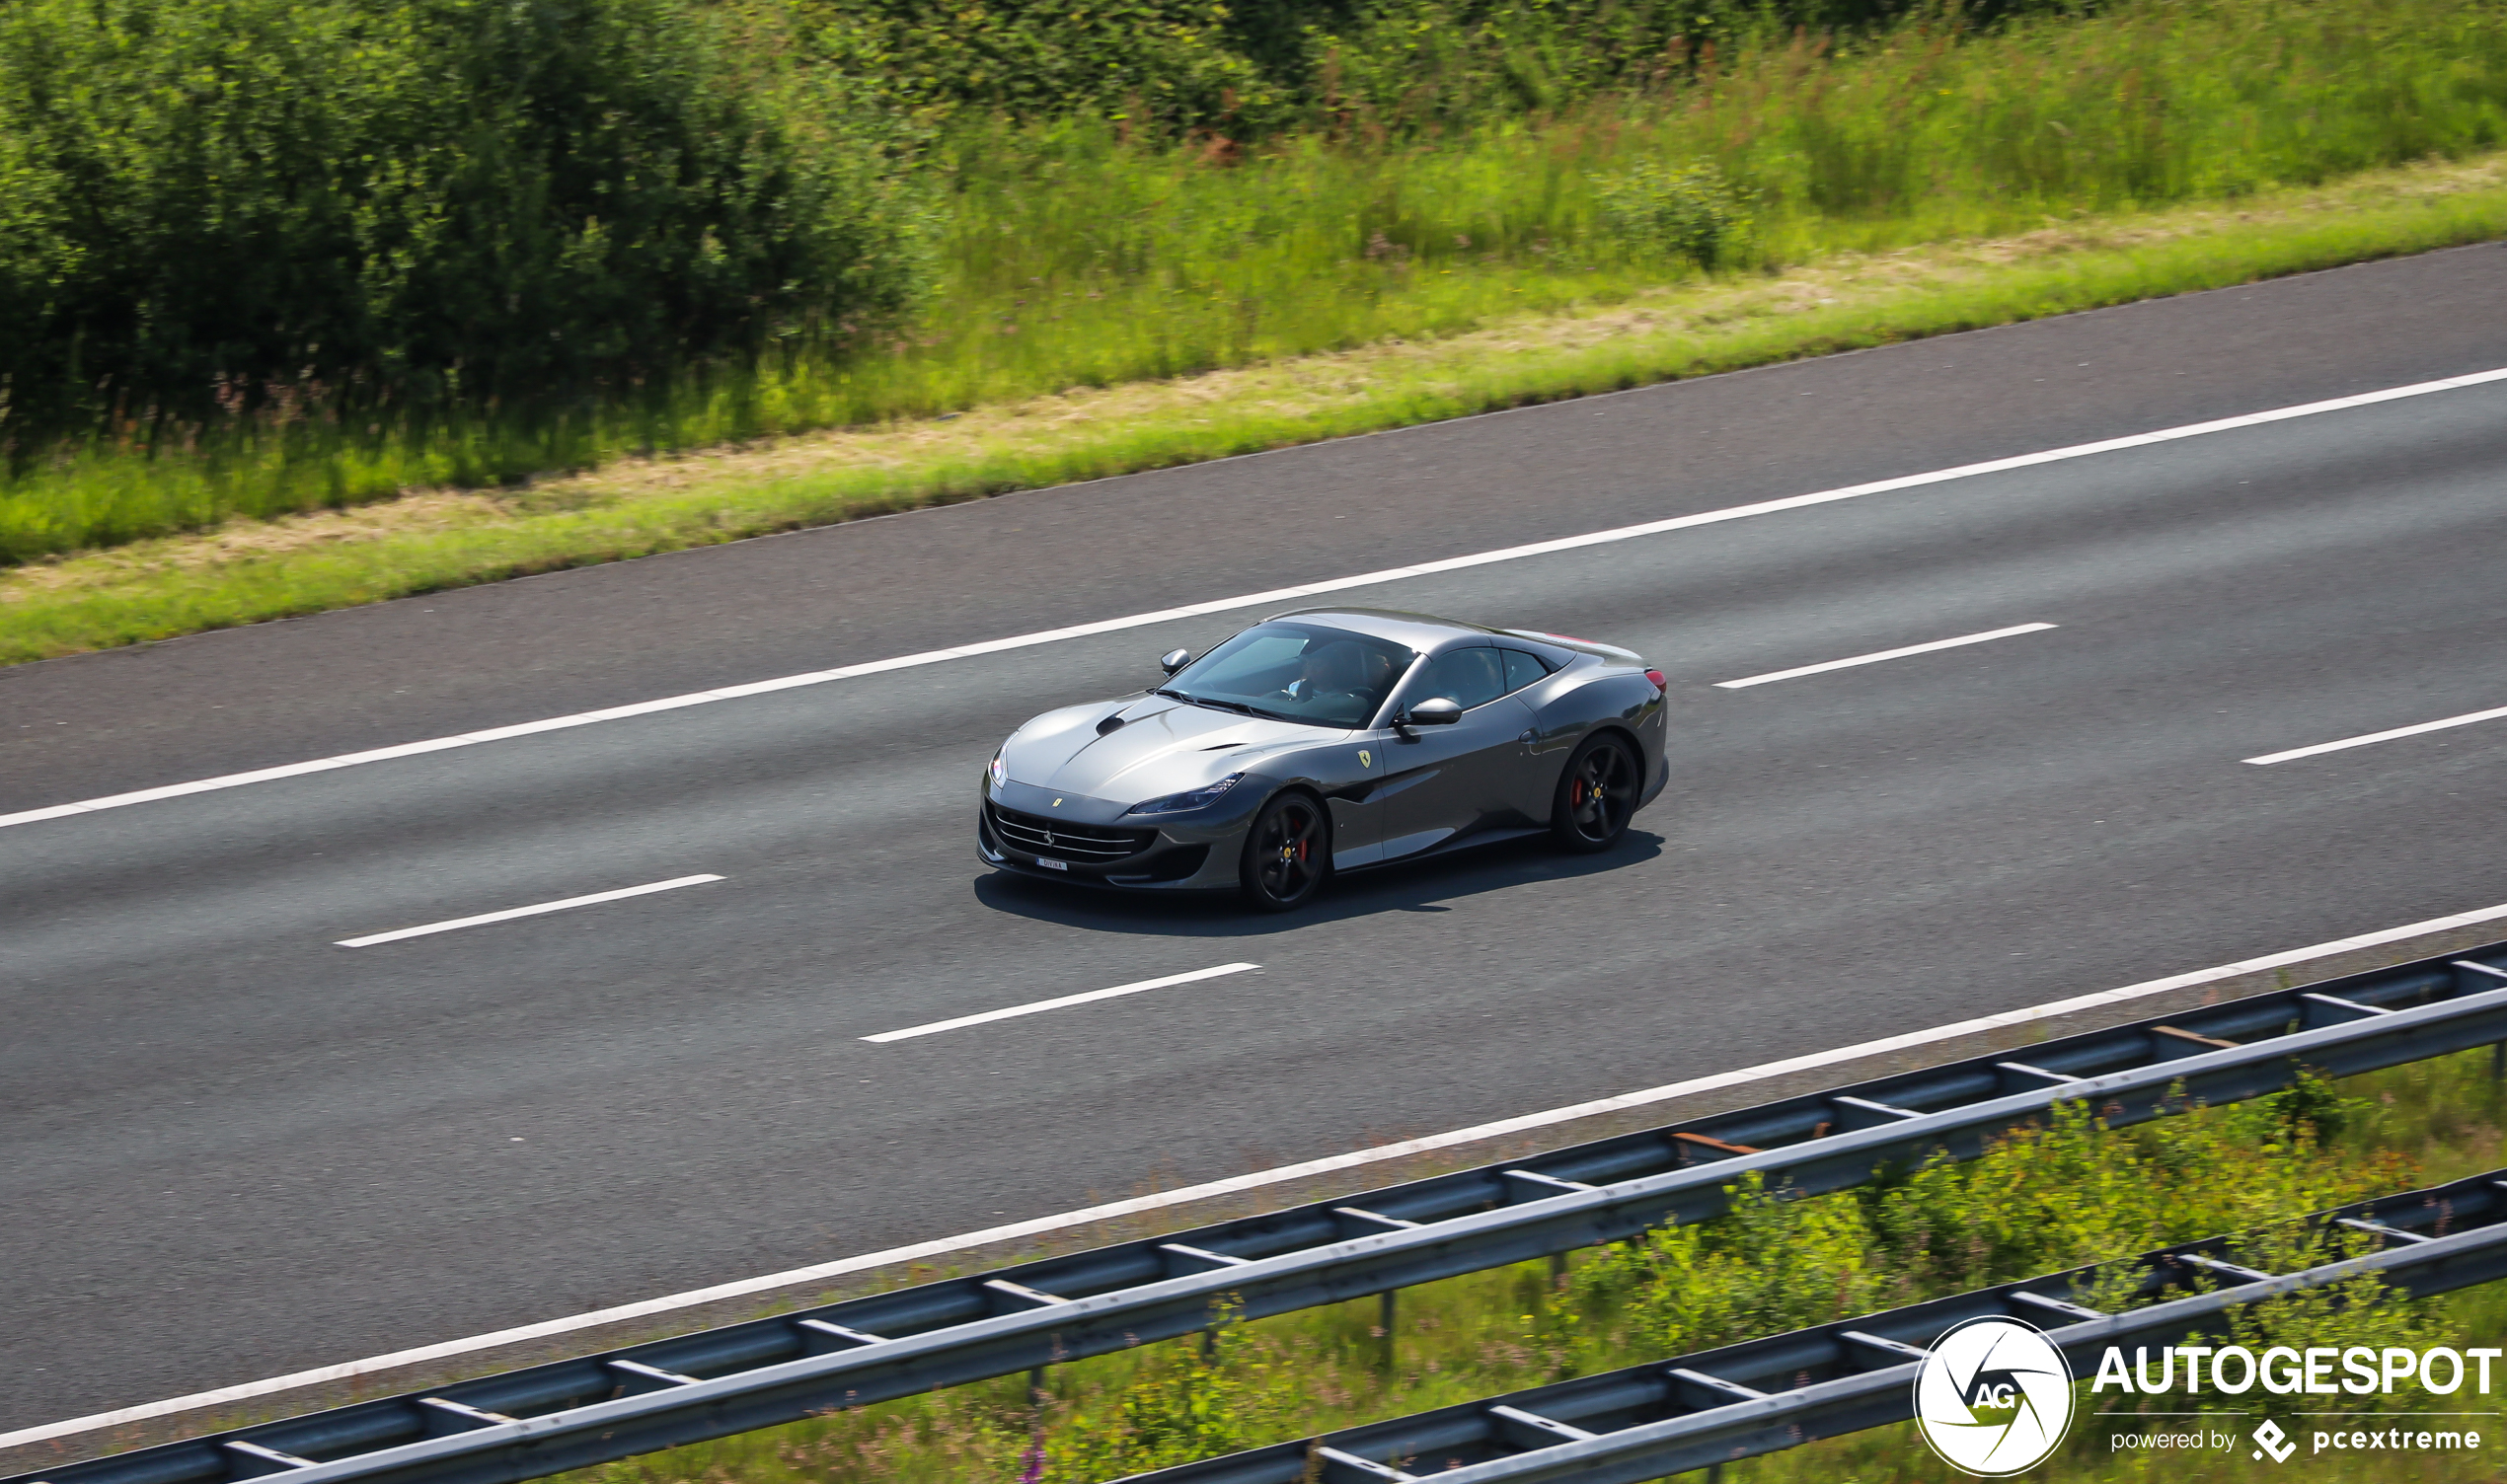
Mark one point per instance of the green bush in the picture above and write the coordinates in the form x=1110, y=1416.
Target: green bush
x=1190, y=1402
x=2062, y=1194
x=1160, y=65
x=356, y=207
x=1692, y=213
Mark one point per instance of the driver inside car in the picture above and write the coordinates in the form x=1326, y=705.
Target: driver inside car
x=1339, y=668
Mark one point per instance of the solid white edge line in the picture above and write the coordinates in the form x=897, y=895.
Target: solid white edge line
x=2296, y=753
x=1112, y=1209
x=1037, y=1006
x=1873, y=659
x=1275, y=595
x=532, y=911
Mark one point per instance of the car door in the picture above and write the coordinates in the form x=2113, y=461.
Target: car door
x=1354, y=774
x=1532, y=777
x=1453, y=780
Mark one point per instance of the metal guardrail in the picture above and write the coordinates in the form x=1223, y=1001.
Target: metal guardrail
x=571, y=1414
x=1762, y=1396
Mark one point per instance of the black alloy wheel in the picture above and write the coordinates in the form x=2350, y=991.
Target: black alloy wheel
x=1287, y=853
x=1597, y=796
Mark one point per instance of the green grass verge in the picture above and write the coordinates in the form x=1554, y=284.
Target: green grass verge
x=2044, y=1200
x=92, y=603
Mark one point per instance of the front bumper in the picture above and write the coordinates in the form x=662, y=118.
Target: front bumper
x=1090, y=842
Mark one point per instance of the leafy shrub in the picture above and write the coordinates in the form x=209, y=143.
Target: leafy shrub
x=1692, y=213
x=215, y=206
x=1160, y=65
x=2363, y=1309
x=2061, y=1195
x=1191, y=1401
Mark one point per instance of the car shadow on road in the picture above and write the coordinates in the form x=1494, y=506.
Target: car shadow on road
x=1424, y=886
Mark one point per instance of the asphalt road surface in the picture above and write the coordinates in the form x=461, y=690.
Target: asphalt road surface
x=231, y=1149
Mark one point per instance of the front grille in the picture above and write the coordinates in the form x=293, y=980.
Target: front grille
x=1092, y=845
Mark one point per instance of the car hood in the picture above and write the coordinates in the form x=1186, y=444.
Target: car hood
x=1163, y=747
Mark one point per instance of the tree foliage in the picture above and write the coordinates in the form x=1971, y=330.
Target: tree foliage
x=214, y=206
x=1248, y=67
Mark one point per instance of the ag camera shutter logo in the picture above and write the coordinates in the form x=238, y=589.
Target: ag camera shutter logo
x=1993, y=1397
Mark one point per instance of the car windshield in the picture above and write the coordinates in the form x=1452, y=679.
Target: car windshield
x=1295, y=672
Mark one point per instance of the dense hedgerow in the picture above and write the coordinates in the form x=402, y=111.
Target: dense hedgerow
x=218, y=207
x=1252, y=67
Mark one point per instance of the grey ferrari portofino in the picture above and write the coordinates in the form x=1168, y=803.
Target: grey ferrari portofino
x=1329, y=741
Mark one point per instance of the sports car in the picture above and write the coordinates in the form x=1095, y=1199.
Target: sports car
x=1329, y=740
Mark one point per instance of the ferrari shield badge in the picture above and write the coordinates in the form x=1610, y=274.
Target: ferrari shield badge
x=1057, y=803
x=1366, y=759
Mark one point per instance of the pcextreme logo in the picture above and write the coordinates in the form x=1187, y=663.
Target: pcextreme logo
x=2269, y=1439
x=1993, y=1398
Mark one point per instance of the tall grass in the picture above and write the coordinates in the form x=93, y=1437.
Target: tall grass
x=2045, y=1199
x=1072, y=257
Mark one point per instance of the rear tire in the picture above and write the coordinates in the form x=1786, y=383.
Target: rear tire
x=1598, y=794
x=1287, y=851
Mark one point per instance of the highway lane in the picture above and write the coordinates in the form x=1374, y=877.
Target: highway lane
x=625, y=632
x=236, y=1149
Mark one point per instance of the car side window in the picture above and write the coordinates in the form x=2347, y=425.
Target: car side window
x=1522, y=669
x=1471, y=677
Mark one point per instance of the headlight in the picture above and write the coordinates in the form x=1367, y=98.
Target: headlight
x=1000, y=775
x=1176, y=804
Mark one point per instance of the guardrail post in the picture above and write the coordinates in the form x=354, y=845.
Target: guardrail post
x=2498, y=1061
x=1384, y=1313
x=1035, y=1387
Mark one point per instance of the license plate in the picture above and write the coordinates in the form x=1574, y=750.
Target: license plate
x=1053, y=866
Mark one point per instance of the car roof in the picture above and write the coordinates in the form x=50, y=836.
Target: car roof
x=1412, y=631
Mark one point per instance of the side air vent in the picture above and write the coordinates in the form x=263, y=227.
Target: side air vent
x=1109, y=726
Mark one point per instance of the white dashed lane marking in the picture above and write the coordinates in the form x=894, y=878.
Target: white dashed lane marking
x=532, y=911
x=1037, y=1006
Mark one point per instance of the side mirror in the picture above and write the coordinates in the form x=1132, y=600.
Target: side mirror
x=1437, y=711
x=1173, y=660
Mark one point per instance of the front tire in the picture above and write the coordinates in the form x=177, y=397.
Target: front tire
x=1598, y=795
x=1287, y=853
